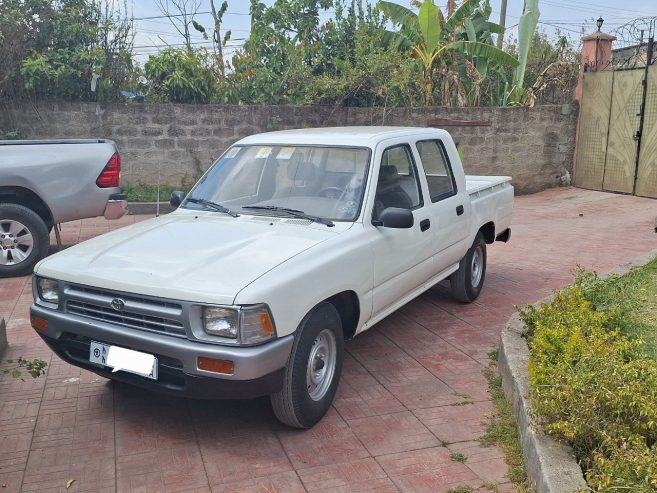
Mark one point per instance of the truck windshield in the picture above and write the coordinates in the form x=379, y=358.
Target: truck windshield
x=326, y=182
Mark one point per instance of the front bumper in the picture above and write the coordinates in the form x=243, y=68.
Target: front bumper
x=116, y=207
x=259, y=370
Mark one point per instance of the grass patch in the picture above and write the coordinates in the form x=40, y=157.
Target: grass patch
x=12, y=135
x=629, y=301
x=503, y=432
x=142, y=192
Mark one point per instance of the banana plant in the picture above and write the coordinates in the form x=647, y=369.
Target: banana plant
x=433, y=39
x=518, y=94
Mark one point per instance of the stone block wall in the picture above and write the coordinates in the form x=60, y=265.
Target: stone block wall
x=178, y=142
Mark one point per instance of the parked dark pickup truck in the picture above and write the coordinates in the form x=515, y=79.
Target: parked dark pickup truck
x=47, y=182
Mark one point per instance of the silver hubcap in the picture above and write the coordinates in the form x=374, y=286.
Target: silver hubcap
x=321, y=365
x=477, y=266
x=16, y=242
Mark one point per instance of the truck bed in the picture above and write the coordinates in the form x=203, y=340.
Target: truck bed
x=475, y=184
x=492, y=200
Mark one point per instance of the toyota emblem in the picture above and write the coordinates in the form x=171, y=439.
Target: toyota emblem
x=118, y=304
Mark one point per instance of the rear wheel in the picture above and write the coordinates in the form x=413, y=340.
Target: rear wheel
x=467, y=281
x=24, y=240
x=313, y=370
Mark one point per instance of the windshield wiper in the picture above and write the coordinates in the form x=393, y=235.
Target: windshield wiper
x=291, y=212
x=212, y=205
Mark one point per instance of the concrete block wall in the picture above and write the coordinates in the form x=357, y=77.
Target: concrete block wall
x=178, y=142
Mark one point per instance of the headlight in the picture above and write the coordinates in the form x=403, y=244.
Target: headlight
x=247, y=325
x=221, y=322
x=48, y=290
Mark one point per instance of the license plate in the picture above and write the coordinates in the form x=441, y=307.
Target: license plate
x=122, y=359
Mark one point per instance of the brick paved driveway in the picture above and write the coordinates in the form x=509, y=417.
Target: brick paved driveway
x=412, y=390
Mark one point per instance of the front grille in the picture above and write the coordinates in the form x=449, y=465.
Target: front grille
x=142, y=313
x=126, y=297
x=126, y=318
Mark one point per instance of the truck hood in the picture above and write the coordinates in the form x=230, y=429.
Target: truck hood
x=202, y=257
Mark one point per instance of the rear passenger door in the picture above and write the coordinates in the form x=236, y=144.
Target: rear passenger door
x=448, y=207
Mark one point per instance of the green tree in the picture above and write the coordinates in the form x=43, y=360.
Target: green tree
x=78, y=50
x=353, y=67
x=23, y=23
x=431, y=38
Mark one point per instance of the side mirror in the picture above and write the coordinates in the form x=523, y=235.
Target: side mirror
x=395, y=217
x=177, y=197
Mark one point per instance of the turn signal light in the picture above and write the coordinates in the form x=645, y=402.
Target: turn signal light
x=216, y=365
x=39, y=324
x=267, y=325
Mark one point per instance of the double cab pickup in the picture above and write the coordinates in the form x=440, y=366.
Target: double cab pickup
x=290, y=244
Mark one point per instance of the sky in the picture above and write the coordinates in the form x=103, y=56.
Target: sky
x=565, y=16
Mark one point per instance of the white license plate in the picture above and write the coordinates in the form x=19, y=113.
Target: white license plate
x=122, y=359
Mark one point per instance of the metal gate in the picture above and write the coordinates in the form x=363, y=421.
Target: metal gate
x=617, y=141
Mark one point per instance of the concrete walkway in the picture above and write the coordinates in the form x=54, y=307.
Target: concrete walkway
x=412, y=391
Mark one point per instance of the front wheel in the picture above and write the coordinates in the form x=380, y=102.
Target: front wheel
x=24, y=240
x=313, y=370
x=467, y=281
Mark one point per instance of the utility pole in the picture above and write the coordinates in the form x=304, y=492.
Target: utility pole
x=500, y=37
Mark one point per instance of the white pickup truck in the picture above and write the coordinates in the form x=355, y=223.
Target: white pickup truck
x=291, y=242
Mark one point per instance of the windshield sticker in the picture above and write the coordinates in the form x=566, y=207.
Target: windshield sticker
x=285, y=153
x=232, y=152
x=263, y=153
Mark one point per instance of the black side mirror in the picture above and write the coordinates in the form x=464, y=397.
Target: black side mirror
x=395, y=217
x=177, y=197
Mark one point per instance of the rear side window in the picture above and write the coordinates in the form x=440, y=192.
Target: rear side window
x=438, y=171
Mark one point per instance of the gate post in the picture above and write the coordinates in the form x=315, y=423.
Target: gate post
x=596, y=56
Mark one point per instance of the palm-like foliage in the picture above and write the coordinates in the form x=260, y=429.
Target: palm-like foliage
x=434, y=39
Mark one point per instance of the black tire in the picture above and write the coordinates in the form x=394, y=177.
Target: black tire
x=466, y=287
x=14, y=214
x=293, y=405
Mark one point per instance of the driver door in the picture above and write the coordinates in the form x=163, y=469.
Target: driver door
x=402, y=257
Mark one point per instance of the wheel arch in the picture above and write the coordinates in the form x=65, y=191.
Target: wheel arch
x=348, y=306
x=27, y=198
x=488, y=231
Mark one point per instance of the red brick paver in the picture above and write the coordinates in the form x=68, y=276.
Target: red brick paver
x=412, y=392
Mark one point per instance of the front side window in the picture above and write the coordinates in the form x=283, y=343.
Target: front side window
x=326, y=182
x=439, y=176
x=398, y=184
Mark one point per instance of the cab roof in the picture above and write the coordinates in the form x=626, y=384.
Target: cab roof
x=344, y=136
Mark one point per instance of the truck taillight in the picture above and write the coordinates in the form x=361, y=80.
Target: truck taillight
x=111, y=174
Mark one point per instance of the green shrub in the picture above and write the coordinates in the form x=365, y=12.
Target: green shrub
x=142, y=192
x=593, y=387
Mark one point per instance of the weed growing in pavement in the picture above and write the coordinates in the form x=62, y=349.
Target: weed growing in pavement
x=461, y=489
x=35, y=367
x=503, y=432
x=458, y=457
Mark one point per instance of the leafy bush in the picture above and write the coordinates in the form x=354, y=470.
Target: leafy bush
x=595, y=388
x=180, y=76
